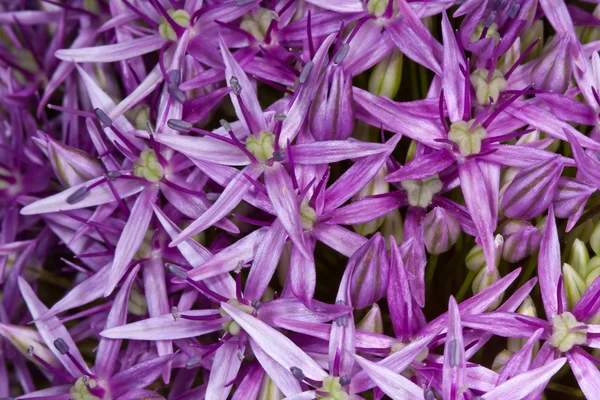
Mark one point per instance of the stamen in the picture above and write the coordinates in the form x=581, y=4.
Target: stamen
x=429, y=394
x=78, y=195
x=174, y=77
x=305, y=72
x=441, y=111
x=225, y=125
x=177, y=271
x=102, y=117
x=176, y=93
x=255, y=304
x=341, y=54
x=200, y=317
x=291, y=164
x=236, y=88
x=141, y=15
x=521, y=58
x=113, y=175
x=454, y=353
x=61, y=346
x=489, y=20
x=193, y=362
x=175, y=313
x=595, y=93
x=82, y=114
x=513, y=9
x=298, y=374
x=345, y=380
x=52, y=369
x=503, y=106
x=105, y=119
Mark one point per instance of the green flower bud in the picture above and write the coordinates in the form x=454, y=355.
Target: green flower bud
x=574, y=285
x=377, y=7
x=579, y=257
x=475, y=260
x=372, y=322
x=501, y=360
x=529, y=36
x=392, y=226
x=268, y=390
x=257, y=23
x=593, y=270
x=595, y=239
x=377, y=185
x=137, y=304
x=483, y=280
x=387, y=75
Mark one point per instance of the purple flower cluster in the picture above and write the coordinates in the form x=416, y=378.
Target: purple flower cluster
x=301, y=199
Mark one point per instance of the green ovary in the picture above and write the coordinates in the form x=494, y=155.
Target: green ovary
x=181, y=17
x=148, y=167
x=331, y=385
x=233, y=327
x=261, y=147
x=564, y=337
x=467, y=139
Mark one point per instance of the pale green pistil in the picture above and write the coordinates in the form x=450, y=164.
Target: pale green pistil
x=3, y=184
x=468, y=140
x=308, y=215
x=261, y=147
x=80, y=391
x=148, y=167
x=485, y=90
x=232, y=327
x=420, y=193
x=181, y=17
x=331, y=385
x=564, y=336
x=491, y=32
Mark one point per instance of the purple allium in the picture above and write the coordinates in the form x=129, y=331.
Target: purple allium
x=331, y=200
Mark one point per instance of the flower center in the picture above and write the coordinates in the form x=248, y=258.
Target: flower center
x=232, y=327
x=420, y=193
x=181, y=17
x=492, y=31
x=567, y=332
x=485, y=90
x=332, y=390
x=4, y=183
x=468, y=140
x=261, y=147
x=81, y=390
x=308, y=215
x=148, y=166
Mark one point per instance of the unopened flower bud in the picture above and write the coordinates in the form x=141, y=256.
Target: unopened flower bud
x=441, y=231
x=570, y=198
x=487, y=89
x=372, y=322
x=595, y=239
x=590, y=33
x=257, y=23
x=579, y=257
x=501, y=360
x=387, y=75
x=393, y=227
x=370, y=272
x=71, y=166
x=552, y=71
x=536, y=31
x=593, y=270
x=526, y=308
x=520, y=240
x=574, y=284
x=332, y=112
x=377, y=185
x=269, y=390
x=532, y=190
x=475, y=260
x=483, y=280
x=137, y=304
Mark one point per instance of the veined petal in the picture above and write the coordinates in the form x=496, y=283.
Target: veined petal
x=205, y=149
x=453, y=80
x=521, y=360
x=394, y=385
x=532, y=190
x=296, y=310
x=50, y=329
x=506, y=324
x=227, y=201
x=283, y=196
x=85, y=292
x=281, y=376
x=423, y=166
x=475, y=191
x=338, y=238
x=131, y=237
x=302, y=275
x=414, y=48
x=588, y=167
x=454, y=355
x=229, y=258
x=395, y=119
x=549, y=266
x=100, y=194
x=247, y=95
x=224, y=369
x=334, y=151
x=108, y=349
x=341, y=6
x=585, y=372
x=276, y=345
x=112, y=52
x=166, y=327
x=138, y=376
x=265, y=261
x=521, y=385
x=366, y=209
